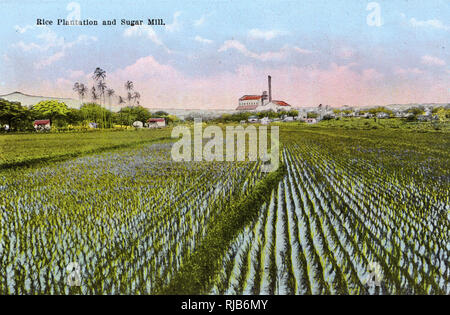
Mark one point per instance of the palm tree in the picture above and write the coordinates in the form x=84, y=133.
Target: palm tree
x=121, y=100
x=99, y=74
x=94, y=94
x=129, y=87
x=110, y=93
x=136, y=97
x=101, y=85
x=129, y=98
x=82, y=91
x=76, y=87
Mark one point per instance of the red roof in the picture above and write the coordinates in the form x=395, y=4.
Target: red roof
x=247, y=107
x=156, y=120
x=250, y=97
x=42, y=122
x=281, y=103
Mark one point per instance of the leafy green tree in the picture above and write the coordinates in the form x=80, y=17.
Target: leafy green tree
x=416, y=110
x=92, y=112
x=15, y=115
x=336, y=111
x=74, y=117
x=172, y=119
x=53, y=110
x=293, y=113
x=160, y=113
x=128, y=115
x=380, y=109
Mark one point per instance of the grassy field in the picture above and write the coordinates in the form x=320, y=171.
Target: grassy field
x=34, y=148
x=345, y=199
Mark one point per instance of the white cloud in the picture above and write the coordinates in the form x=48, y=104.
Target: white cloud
x=21, y=29
x=437, y=24
x=27, y=46
x=50, y=39
x=404, y=71
x=144, y=31
x=176, y=25
x=302, y=51
x=202, y=19
x=432, y=61
x=271, y=55
x=73, y=74
x=49, y=60
x=203, y=40
x=260, y=34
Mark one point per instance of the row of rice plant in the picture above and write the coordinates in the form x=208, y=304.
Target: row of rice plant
x=128, y=219
x=337, y=213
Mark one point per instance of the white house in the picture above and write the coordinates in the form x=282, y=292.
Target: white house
x=43, y=124
x=156, y=123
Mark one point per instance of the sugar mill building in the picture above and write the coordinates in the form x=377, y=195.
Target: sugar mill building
x=263, y=102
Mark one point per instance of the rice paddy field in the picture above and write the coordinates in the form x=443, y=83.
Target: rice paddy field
x=129, y=220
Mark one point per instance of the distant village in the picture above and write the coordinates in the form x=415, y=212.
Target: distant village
x=258, y=104
x=251, y=108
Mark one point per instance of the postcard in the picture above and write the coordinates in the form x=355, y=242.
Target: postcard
x=227, y=155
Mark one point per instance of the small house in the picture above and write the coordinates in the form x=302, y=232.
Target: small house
x=42, y=124
x=156, y=123
x=288, y=118
x=92, y=125
x=243, y=122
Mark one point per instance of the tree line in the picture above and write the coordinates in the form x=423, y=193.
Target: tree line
x=21, y=118
x=96, y=112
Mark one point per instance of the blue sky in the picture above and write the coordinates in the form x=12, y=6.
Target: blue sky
x=212, y=52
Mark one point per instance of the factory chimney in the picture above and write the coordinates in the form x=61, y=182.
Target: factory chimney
x=270, y=89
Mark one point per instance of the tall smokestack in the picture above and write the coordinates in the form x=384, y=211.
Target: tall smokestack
x=270, y=89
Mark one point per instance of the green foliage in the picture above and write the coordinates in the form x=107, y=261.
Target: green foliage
x=92, y=112
x=160, y=113
x=417, y=110
x=15, y=115
x=52, y=110
x=128, y=115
